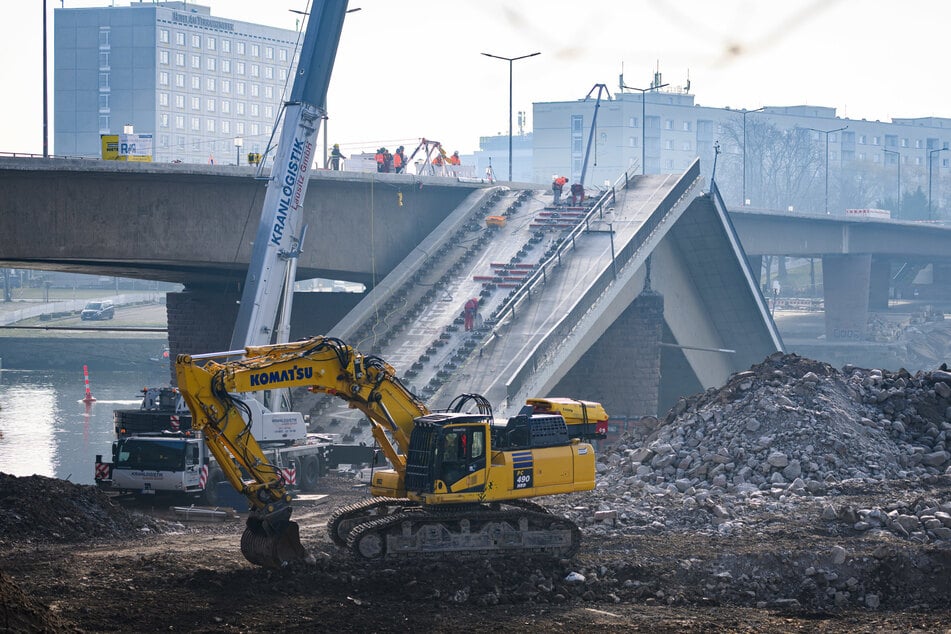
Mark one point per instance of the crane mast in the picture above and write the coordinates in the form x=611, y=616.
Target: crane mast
x=280, y=231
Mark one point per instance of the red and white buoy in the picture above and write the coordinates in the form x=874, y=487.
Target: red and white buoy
x=89, y=397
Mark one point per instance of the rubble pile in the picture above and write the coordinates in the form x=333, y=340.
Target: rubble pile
x=47, y=510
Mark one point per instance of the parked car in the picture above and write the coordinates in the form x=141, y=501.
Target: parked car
x=98, y=310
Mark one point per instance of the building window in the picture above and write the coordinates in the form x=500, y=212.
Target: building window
x=196, y=61
x=104, y=102
x=669, y=164
x=269, y=112
x=904, y=142
x=576, y=123
x=861, y=156
x=240, y=48
x=876, y=140
x=255, y=129
x=282, y=74
x=196, y=124
x=196, y=82
x=668, y=144
x=255, y=110
x=103, y=38
x=179, y=122
x=225, y=46
x=163, y=120
x=269, y=92
x=255, y=70
x=255, y=50
x=225, y=106
x=103, y=123
x=210, y=84
x=226, y=86
x=917, y=160
x=196, y=41
x=239, y=108
x=104, y=59
x=209, y=125
x=945, y=162
x=668, y=124
x=917, y=144
x=282, y=54
x=179, y=80
x=180, y=141
x=210, y=105
x=162, y=57
x=226, y=65
x=239, y=87
x=239, y=127
x=196, y=103
x=179, y=59
x=211, y=63
x=255, y=90
x=180, y=101
x=163, y=99
x=862, y=139
x=688, y=125
x=239, y=68
x=268, y=52
x=179, y=38
x=104, y=81
x=225, y=126
x=686, y=146
x=268, y=72
x=210, y=43
x=163, y=36
x=632, y=141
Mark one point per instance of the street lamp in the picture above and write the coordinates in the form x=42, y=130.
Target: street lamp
x=931, y=154
x=510, y=60
x=643, y=120
x=238, y=143
x=744, y=113
x=827, y=133
x=898, y=159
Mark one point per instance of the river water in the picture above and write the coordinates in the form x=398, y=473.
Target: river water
x=47, y=429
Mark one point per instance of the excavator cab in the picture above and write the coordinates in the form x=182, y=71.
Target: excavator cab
x=447, y=453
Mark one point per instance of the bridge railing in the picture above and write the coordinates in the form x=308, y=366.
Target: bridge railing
x=556, y=337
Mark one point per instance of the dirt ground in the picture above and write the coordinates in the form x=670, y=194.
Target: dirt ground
x=135, y=573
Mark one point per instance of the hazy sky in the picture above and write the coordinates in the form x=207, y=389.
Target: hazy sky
x=412, y=68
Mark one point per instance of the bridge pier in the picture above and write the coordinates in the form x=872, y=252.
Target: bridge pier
x=879, y=282
x=201, y=319
x=845, y=279
x=628, y=385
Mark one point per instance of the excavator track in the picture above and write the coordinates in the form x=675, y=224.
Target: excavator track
x=485, y=532
x=344, y=519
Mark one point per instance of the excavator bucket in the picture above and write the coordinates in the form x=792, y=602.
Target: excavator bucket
x=272, y=548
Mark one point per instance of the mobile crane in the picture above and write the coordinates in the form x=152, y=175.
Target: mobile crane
x=459, y=479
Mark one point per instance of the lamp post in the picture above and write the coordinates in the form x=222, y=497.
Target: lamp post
x=510, y=60
x=744, y=113
x=643, y=120
x=898, y=160
x=827, y=133
x=46, y=137
x=931, y=154
x=238, y=143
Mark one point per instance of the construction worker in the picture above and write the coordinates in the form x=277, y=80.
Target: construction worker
x=399, y=160
x=469, y=313
x=577, y=194
x=438, y=160
x=335, y=156
x=380, y=159
x=387, y=161
x=454, y=159
x=557, y=185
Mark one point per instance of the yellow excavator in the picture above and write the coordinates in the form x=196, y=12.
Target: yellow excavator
x=459, y=480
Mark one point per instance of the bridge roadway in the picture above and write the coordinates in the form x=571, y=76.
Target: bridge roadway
x=550, y=298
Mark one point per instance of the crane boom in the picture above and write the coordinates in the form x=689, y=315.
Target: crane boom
x=279, y=233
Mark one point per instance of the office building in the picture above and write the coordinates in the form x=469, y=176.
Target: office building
x=206, y=87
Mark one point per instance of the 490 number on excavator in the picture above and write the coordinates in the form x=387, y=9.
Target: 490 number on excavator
x=460, y=480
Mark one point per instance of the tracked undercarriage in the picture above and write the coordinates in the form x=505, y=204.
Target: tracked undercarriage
x=394, y=527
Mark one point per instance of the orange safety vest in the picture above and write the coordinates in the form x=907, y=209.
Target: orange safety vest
x=379, y=158
x=454, y=160
x=397, y=160
x=437, y=160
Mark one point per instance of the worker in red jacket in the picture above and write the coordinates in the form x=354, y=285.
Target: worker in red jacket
x=380, y=159
x=469, y=314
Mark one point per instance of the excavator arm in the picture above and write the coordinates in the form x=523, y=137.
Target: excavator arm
x=209, y=384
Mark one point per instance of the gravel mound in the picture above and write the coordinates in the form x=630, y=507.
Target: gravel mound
x=20, y=613
x=47, y=510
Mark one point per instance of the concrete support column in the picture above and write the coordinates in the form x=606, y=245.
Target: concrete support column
x=200, y=320
x=756, y=267
x=879, y=283
x=622, y=370
x=846, y=282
